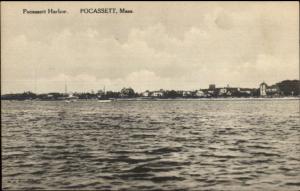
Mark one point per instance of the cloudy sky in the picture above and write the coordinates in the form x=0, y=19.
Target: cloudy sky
x=169, y=45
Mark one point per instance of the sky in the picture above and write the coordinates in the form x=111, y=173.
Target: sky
x=161, y=45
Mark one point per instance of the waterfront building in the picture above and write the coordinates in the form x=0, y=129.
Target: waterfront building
x=146, y=93
x=263, y=89
x=227, y=91
x=273, y=90
x=222, y=91
x=186, y=93
x=200, y=93
x=212, y=86
x=245, y=91
x=157, y=94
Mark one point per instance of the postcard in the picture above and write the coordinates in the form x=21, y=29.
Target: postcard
x=150, y=95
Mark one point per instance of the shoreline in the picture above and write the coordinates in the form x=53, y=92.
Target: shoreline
x=209, y=99
x=178, y=99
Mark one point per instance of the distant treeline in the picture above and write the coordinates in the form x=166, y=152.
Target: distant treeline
x=284, y=88
x=289, y=87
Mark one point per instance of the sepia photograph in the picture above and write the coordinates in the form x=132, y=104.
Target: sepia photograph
x=144, y=96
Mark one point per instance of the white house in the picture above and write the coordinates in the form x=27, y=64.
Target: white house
x=200, y=93
x=223, y=91
x=186, y=93
x=157, y=94
x=146, y=94
x=262, y=89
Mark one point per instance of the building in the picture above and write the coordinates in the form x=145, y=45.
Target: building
x=245, y=91
x=208, y=93
x=157, y=94
x=146, y=93
x=263, y=89
x=228, y=91
x=186, y=93
x=273, y=90
x=222, y=91
x=212, y=86
x=200, y=93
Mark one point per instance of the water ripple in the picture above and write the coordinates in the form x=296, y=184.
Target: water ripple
x=178, y=145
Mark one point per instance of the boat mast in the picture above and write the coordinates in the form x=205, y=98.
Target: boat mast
x=35, y=82
x=66, y=87
x=35, y=76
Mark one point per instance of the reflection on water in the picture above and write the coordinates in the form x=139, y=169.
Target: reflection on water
x=163, y=145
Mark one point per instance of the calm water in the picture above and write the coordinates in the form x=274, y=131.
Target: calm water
x=158, y=145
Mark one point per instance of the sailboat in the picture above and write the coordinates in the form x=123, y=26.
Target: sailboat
x=103, y=98
x=70, y=97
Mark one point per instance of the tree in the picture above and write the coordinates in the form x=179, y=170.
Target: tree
x=111, y=94
x=172, y=94
x=290, y=87
x=127, y=92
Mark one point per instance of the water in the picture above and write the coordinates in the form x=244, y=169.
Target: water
x=158, y=145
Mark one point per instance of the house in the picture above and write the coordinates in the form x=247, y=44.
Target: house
x=200, y=93
x=232, y=91
x=228, y=91
x=145, y=94
x=207, y=93
x=212, y=86
x=159, y=93
x=186, y=93
x=222, y=91
x=211, y=92
x=263, y=89
x=273, y=90
x=246, y=91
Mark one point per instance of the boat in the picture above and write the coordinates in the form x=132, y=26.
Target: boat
x=104, y=101
x=102, y=98
x=71, y=98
